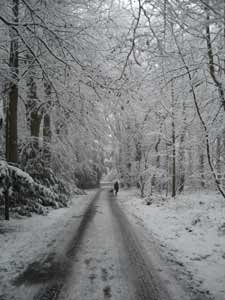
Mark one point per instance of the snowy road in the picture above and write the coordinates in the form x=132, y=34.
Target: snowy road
x=109, y=262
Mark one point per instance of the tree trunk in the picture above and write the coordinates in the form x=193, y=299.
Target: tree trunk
x=202, y=168
x=157, y=161
x=182, y=154
x=182, y=164
x=35, y=124
x=173, y=162
x=11, y=111
x=211, y=65
x=190, y=165
x=6, y=184
x=166, y=186
x=47, y=134
x=173, y=145
x=142, y=186
x=218, y=159
x=6, y=195
x=47, y=139
x=34, y=115
x=158, y=166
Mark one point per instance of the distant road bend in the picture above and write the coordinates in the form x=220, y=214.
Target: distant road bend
x=104, y=260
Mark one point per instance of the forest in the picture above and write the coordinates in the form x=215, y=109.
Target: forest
x=132, y=88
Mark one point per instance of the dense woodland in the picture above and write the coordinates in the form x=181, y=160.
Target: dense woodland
x=133, y=87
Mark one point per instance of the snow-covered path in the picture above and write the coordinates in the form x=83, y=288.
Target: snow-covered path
x=102, y=258
x=109, y=262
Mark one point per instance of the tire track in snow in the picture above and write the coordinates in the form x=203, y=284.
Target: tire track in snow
x=146, y=284
x=52, y=291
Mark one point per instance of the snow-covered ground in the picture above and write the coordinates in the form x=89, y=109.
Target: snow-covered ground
x=30, y=240
x=190, y=233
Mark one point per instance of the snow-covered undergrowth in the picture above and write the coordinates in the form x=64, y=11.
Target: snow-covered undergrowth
x=190, y=231
x=31, y=194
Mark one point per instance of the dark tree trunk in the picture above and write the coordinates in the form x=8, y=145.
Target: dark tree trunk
x=166, y=186
x=33, y=112
x=182, y=164
x=154, y=182
x=190, y=163
x=35, y=123
x=47, y=134
x=142, y=186
x=211, y=64
x=11, y=112
x=182, y=153
x=47, y=139
x=173, y=145
x=158, y=159
x=202, y=168
x=6, y=195
x=218, y=158
x=173, y=162
x=6, y=184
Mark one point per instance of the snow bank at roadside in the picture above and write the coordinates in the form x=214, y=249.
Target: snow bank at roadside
x=25, y=240
x=191, y=232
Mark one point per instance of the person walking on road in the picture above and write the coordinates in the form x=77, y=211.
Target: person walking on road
x=116, y=187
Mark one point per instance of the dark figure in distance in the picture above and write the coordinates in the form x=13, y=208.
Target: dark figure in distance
x=116, y=187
